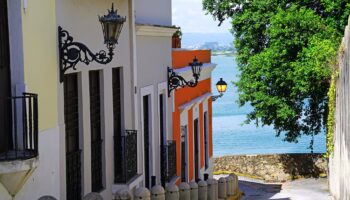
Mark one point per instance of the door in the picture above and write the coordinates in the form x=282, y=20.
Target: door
x=196, y=150
x=5, y=82
x=146, y=134
x=96, y=137
x=206, y=138
x=163, y=150
x=184, y=154
x=73, y=153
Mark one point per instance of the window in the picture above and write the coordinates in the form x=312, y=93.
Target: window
x=73, y=153
x=117, y=123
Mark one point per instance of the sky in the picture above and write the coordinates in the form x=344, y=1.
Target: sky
x=189, y=15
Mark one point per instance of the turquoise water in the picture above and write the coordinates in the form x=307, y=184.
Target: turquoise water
x=230, y=137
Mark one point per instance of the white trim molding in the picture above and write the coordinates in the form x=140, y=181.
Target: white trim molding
x=190, y=104
x=186, y=72
x=148, y=91
x=155, y=30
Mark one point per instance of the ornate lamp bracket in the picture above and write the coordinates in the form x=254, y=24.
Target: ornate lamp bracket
x=71, y=53
x=175, y=81
x=215, y=97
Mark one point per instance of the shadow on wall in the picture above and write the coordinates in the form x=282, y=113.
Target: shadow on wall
x=303, y=165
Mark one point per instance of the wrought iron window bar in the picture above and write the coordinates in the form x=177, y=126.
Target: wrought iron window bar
x=169, y=161
x=126, y=156
x=96, y=165
x=23, y=128
x=73, y=160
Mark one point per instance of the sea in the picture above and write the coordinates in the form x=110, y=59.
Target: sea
x=230, y=137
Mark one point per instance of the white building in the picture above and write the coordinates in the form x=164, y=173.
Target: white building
x=92, y=125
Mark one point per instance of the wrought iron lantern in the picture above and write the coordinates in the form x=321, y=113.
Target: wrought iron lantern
x=112, y=25
x=175, y=80
x=221, y=86
x=71, y=52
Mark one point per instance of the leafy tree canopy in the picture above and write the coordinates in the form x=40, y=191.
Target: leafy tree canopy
x=285, y=50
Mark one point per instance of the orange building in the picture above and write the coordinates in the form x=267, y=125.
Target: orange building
x=192, y=116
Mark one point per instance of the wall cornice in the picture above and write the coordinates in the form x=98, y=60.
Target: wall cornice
x=155, y=30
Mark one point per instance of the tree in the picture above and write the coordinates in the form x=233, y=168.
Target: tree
x=285, y=49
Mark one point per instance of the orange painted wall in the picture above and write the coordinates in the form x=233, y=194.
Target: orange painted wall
x=182, y=58
x=201, y=135
x=177, y=138
x=187, y=94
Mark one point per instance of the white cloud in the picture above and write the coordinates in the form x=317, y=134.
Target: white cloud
x=189, y=15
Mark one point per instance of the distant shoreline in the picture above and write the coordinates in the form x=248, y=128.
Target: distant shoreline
x=223, y=53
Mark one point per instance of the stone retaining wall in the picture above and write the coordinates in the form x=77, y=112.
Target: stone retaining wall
x=274, y=167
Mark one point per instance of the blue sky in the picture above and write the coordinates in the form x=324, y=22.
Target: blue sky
x=188, y=14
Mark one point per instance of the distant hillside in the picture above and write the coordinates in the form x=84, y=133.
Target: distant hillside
x=190, y=40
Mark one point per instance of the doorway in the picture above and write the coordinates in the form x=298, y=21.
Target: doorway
x=146, y=135
x=5, y=82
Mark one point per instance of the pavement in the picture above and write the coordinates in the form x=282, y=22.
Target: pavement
x=301, y=189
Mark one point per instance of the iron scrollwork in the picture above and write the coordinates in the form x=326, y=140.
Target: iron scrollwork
x=215, y=97
x=71, y=53
x=175, y=81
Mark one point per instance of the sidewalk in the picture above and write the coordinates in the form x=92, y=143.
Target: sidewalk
x=303, y=189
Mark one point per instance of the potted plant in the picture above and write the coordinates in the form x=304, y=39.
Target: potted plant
x=177, y=38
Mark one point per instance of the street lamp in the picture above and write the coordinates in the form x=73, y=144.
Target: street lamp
x=71, y=52
x=175, y=80
x=221, y=86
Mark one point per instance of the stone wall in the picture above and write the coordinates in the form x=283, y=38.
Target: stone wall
x=274, y=167
x=339, y=165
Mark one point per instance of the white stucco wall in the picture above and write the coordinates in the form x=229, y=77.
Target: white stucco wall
x=153, y=12
x=153, y=58
x=79, y=17
x=339, y=165
x=45, y=178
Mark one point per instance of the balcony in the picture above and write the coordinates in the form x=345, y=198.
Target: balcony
x=125, y=151
x=19, y=124
x=19, y=140
x=169, y=161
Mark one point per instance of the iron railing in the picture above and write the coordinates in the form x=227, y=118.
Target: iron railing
x=168, y=162
x=125, y=156
x=171, y=159
x=20, y=123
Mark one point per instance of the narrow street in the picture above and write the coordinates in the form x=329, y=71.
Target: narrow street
x=303, y=189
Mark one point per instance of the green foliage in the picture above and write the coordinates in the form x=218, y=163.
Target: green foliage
x=331, y=116
x=178, y=32
x=284, y=51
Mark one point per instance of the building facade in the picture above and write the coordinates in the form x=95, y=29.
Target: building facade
x=96, y=127
x=192, y=117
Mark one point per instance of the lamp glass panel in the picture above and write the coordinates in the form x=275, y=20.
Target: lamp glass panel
x=196, y=69
x=221, y=88
x=119, y=27
x=112, y=31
